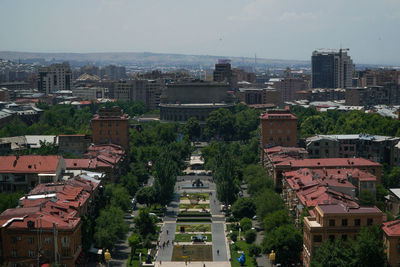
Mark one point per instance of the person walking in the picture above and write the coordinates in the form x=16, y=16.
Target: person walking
x=218, y=252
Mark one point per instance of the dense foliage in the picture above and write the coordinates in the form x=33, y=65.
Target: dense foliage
x=65, y=119
x=311, y=122
x=222, y=124
x=9, y=200
x=367, y=250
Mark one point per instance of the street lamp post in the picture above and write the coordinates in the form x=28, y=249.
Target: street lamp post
x=272, y=257
x=107, y=257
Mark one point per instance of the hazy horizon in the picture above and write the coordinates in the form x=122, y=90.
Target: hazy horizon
x=270, y=29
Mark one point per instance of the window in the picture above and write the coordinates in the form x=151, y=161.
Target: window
x=30, y=240
x=65, y=241
x=279, y=131
x=318, y=238
x=331, y=222
x=13, y=239
x=332, y=238
x=288, y=138
x=47, y=253
x=31, y=253
x=357, y=222
x=344, y=237
x=316, y=151
x=344, y=222
x=271, y=131
x=47, y=240
x=370, y=221
x=14, y=253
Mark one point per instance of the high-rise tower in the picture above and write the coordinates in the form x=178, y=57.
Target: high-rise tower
x=331, y=69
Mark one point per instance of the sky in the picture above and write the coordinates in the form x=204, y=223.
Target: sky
x=275, y=29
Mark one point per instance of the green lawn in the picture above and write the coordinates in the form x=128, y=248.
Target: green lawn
x=195, y=252
x=240, y=246
x=194, y=227
x=187, y=196
x=188, y=237
x=196, y=206
x=135, y=260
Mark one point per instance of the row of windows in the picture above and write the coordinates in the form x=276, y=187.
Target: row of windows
x=110, y=124
x=357, y=222
x=279, y=131
x=109, y=132
x=30, y=240
x=280, y=123
x=271, y=139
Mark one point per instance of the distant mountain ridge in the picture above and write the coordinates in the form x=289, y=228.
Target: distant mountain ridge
x=148, y=58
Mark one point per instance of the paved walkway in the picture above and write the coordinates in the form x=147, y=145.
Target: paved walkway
x=218, y=244
x=193, y=264
x=121, y=251
x=165, y=254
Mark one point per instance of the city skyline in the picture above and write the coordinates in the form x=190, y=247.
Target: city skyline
x=266, y=28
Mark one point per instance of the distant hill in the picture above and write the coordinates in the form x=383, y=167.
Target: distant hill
x=146, y=59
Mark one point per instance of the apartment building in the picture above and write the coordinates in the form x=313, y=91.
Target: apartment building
x=278, y=128
x=74, y=143
x=333, y=221
x=110, y=126
x=331, y=69
x=22, y=173
x=391, y=240
x=276, y=167
x=377, y=148
x=56, y=77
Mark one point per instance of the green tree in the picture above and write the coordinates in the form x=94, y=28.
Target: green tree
x=144, y=223
x=130, y=182
x=276, y=219
x=369, y=247
x=118, y=196
x=246, y=121
x=220, y=123
x=47, y=148
x=334, y=254
x=250, y=236
x=246, y=224
x=165, y=171
x=267, y=202
x=227, y=187
x=110, y=227
x=9, y=200
x=287, y=243
x=134, y=242
x=244, y=207
x=367, y=198
x=146, y=195
x=192, y=128
x=256, y=179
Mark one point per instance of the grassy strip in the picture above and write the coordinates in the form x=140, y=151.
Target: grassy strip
x=240, y=246
x=188, y=237
x=194, y=227
x=187, y=196
x=196, y=206
x=194, y=214
x=193, y=220
x=135, y=259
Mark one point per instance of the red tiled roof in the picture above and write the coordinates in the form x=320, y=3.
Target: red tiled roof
x=316, y=195
x=268, y=116
x=391, y=228
x=29, y=164
x=328, y=162
x=98, y=156
x=17, y=218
